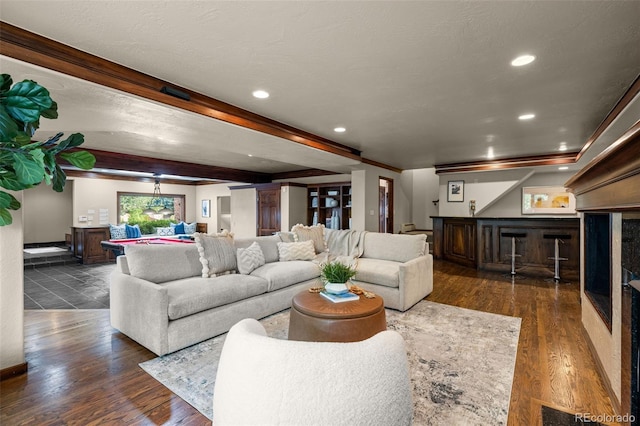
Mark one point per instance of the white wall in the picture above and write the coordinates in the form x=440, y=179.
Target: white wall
x=210, y=192
x=425, y=189
x=48, y=215
x=365, y=198
x=497, y=193
x=96, y=194
x=11, y=291
x=243, y=212
x=293, y=204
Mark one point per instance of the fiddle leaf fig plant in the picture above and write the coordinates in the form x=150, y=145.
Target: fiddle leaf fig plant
x=25, y=163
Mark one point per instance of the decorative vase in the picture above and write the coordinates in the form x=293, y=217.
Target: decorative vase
x=315, y=218
x=335, y=220
x=336, y=288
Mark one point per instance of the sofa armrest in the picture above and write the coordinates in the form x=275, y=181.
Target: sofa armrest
x=416, y=280
x=140, y=309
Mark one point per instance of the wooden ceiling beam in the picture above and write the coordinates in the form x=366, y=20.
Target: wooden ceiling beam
x=32, y=48
x=127, y=162
x=508, y=163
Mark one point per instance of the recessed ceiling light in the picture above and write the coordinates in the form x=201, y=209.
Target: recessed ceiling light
x=563, y=168
x=490, y=153
x=260, y=94
x=339, y=130
x=523, y=60
x=563, y=146
x=250, y=155
x=526, y=116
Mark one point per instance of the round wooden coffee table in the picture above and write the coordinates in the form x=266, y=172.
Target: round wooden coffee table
x=316, y=319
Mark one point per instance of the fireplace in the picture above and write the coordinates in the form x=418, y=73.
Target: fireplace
x=607, y=193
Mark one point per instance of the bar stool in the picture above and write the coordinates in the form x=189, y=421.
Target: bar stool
x=559, y=238
x=514, y=237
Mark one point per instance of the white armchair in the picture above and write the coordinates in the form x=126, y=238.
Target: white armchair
x=267, y=381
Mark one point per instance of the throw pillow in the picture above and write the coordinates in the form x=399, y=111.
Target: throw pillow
x=250, y=258
x=310, y=233
x=217, y=254
x=165, y=232
x=179, y=229
x=118, y=232
x=133, y=231
x=189, y=228
x=296, y=251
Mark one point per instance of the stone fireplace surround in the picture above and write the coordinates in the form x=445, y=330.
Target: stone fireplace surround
x=610, y=184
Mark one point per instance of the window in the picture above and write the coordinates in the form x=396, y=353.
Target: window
x=132, y=207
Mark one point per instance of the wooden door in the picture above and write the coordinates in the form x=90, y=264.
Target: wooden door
x=268, y=211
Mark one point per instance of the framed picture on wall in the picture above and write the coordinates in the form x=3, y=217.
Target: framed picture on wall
x=455, y=191
x=206, y=208
x=547, y=200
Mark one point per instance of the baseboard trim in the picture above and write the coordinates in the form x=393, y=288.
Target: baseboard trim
x=601, y=371
x=15, y=370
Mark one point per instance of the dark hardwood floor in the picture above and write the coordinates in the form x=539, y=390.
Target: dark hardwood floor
x=82, y=372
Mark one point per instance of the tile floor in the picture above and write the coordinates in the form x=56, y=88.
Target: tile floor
x=67, y=287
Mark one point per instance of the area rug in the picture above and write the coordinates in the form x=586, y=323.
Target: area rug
x=461, y=363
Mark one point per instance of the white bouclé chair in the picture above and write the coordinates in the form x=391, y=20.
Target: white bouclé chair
x=267, y=381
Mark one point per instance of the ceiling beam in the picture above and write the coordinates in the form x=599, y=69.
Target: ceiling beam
x=508, y=163
x=127, y=162
x=29, y=47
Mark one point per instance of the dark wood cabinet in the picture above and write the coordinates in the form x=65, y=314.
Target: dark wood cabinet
x=86, y=244
x=328, y=201
x=481, y=243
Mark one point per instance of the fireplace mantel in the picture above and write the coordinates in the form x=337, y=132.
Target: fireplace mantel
x=611, y=181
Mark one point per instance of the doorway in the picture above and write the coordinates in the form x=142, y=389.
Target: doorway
x=268, y=211
x=385, y=205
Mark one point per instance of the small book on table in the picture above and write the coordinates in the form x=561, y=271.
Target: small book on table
x=342, y=297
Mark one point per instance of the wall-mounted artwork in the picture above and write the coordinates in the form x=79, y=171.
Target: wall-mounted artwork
x=455, y=191
x=206, y=208
x=547, y=200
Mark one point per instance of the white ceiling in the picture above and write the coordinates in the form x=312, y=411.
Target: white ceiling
x=415, y=83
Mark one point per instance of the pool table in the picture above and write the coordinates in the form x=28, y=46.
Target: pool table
x=117, y=246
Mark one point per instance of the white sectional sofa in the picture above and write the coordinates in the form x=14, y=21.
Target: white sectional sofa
x=160, y=298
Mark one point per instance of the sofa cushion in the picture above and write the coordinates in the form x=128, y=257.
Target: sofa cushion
x=217, y=254
x=165, y=231
x=118, y=232
x=160, y=263
x=296, y=251
x=376, y=271
x=249, y=258
x=192, y=295
x=268, y=245
x=313, y=233
x=283, y=274
x=190, y=228
x=133, y=231
x=396, y=247
x=178, y=228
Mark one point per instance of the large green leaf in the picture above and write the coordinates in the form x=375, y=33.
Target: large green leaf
x=10, y=181
x=59, y=179
x=82, y=159
x=8, y=201
x=26, y=100
x=51, y=112
x=5, y=83
x=8, y=127
x=5, y=217
x=72, y=141
x=29, y=168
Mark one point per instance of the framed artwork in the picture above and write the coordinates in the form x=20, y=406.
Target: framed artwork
x=547, y=200
x=455, y=191
x=206, y=208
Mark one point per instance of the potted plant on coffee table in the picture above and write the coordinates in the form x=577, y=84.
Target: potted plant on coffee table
x=335, y=276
